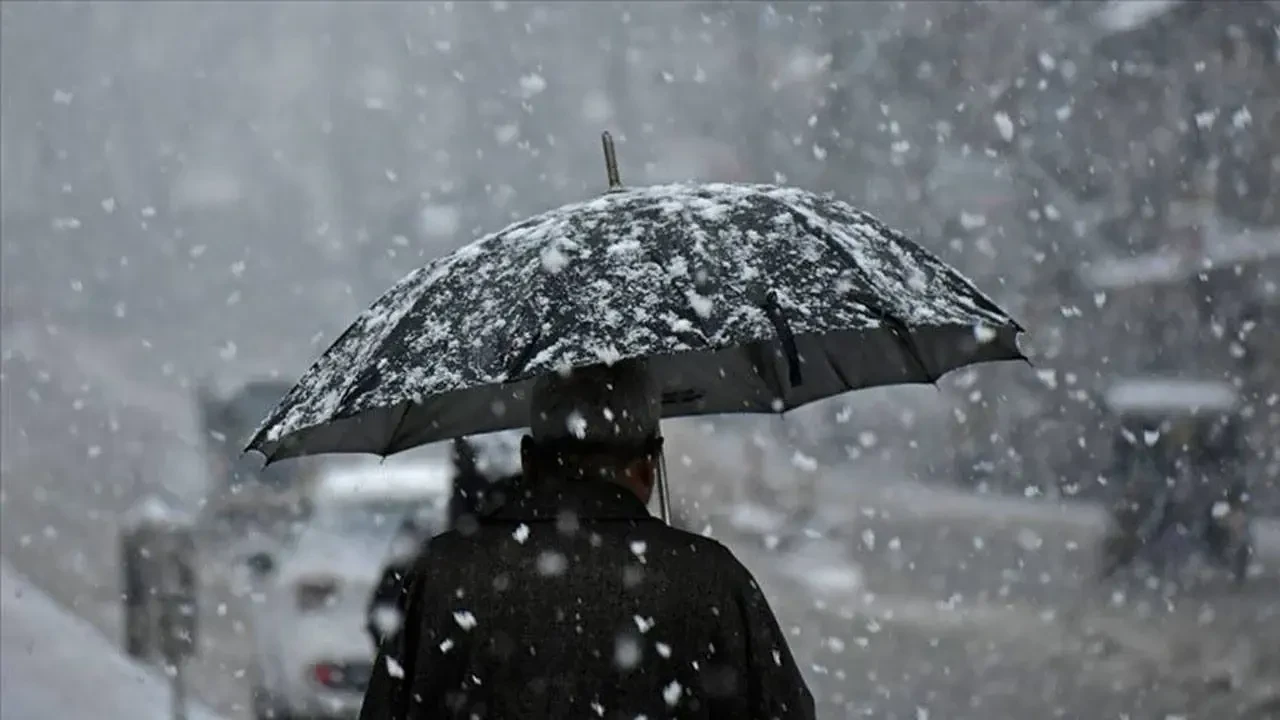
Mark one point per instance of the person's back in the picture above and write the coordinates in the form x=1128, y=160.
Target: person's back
x=571, y=601
x=609, y=614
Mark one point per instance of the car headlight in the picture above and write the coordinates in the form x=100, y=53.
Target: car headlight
x=316, y=593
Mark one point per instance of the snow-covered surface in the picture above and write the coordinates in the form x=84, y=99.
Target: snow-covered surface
x=371, y=480
x=824, y=566
x=498, y=454
x=154, y=508
x=1226, y=250
x=754, y=518
x=685, y=272
x=56, y=665
x=1123, y=15
x=1171, y=394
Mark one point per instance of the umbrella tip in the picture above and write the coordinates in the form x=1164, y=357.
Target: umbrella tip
x=611, y=161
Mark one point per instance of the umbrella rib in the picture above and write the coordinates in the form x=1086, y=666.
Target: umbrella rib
x=835, y=368
x=394, y=436
x=897, y=328
x=521, y=361
x=759, y=362
x=902, y=334
x=785, y=337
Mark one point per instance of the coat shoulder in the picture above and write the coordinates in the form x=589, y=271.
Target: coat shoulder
x=708, y=550
x=435, y=547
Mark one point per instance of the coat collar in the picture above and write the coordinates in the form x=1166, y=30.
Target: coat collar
x=549, y=499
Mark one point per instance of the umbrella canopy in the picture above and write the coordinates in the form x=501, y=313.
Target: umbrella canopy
x=744, y=299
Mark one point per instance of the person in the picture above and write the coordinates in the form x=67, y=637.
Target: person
x=1195, y=510
x=471, y=490
x=569, y=600
x=383, y=613
x=471, y=484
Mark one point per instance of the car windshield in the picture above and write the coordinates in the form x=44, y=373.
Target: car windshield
x=376, y=521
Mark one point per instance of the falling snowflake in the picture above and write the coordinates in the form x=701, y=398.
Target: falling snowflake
x=532, y=84
x=627, y=652
x=521, y=533
x=576, y=424
x=394, y=669
x=804, y=462
x=551, y=563
x=1005, y=125
x=644, y=624
x=671, y=693
x=465, y=619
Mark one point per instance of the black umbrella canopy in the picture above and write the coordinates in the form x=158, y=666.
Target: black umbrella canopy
x=744, y=299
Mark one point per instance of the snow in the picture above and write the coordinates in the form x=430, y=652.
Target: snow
x=755, y=519
x=1005, y=125
x=439, y=221
x=521, y=533
x=532, y=84
x=1166, y=394
x=465, y=619
x=367, y=480
x=57, y=665
x=672, y=692
x=1227, y=249
x=1124, y=15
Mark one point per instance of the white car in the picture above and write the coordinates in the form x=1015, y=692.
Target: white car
x=308, y=612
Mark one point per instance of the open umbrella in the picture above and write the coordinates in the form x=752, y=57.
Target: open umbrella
x=743, y=298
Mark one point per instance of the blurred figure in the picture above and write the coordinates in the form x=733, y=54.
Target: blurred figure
x=386, y=607
x=471, y=490
x=1171, y=518
x=570, y=600
x=470, y=484
x=1178, y=459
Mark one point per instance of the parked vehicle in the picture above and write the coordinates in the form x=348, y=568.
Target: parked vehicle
x=312, y=654
x=1178, y=459
x=244, y=497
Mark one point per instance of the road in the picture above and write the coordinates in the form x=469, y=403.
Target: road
x=915, y=604
x=905, y=633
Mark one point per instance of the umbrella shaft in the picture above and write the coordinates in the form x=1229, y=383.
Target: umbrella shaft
x=664, y=497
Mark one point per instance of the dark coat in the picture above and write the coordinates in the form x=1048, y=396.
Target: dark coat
x=573, y=602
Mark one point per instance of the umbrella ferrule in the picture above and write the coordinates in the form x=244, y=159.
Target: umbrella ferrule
x=611, y=162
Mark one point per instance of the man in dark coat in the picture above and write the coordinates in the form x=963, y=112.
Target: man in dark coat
x=570, y=600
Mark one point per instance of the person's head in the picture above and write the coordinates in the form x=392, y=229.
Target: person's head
x=463, y=454
x=596, y=422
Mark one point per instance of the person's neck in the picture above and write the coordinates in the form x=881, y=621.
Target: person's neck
x=629, y=484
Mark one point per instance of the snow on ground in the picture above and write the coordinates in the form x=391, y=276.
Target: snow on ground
x=56, y=665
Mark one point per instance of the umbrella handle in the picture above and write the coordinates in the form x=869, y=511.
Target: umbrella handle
x=664, y=497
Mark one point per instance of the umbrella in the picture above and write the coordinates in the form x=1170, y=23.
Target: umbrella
x=743, y=299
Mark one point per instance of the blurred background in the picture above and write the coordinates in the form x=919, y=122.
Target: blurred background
x=199, y=196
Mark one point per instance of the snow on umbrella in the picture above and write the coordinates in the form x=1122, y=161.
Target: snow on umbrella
x=744, y=299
